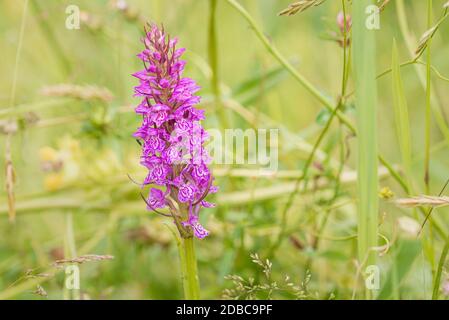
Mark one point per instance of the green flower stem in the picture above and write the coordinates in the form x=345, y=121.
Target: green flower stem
x=189, y=269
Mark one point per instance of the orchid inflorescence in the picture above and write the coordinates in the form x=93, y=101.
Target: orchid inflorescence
x=171, y=135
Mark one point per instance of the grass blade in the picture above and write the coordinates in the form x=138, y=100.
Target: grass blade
x=364, y=54
x=401, y=114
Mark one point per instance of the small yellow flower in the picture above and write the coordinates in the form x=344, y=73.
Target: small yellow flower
x=386, y=193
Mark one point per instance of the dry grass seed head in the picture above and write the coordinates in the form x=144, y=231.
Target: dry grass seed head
x=83, y=259
x=423, y=201
x=300, y=6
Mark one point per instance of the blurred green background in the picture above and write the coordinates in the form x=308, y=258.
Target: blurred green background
x=74, y=148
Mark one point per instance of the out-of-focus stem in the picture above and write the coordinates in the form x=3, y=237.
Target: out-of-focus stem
x=428, y=101
x=428, y=242
x=213, y=62
x=10, y=175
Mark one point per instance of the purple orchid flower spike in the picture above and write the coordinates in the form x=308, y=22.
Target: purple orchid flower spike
x=171, y=134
